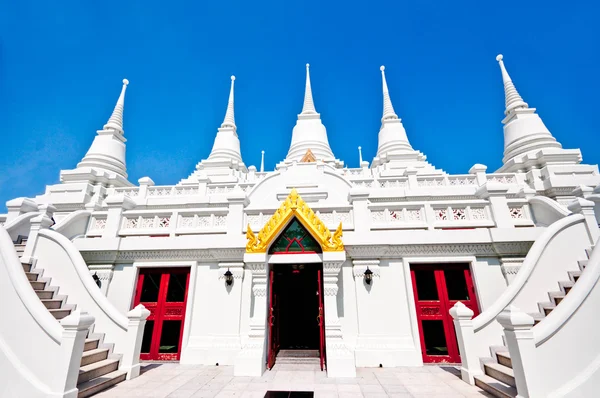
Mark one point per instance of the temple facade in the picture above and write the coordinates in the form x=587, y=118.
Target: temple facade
x=313, y=261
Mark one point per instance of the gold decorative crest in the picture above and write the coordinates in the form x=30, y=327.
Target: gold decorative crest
x=294, y=206
x=308, y=157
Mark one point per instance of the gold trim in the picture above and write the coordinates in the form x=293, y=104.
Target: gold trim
x=308, y=157
x=294, y=206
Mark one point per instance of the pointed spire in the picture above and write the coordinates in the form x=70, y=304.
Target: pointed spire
x=309, y=105
x=262, y=161
x=229, y=120
x=388, y=108
x=512, y=97
x=360, y=159
x=116, y=119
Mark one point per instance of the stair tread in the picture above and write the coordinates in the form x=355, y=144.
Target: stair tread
x=96, y=365
x=94, y=351
x=501, y=368
x=495, y=387
x=100, y=383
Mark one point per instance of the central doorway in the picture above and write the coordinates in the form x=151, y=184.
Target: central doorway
x=296, y=316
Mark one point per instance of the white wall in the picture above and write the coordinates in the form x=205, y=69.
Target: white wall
x=488, y=280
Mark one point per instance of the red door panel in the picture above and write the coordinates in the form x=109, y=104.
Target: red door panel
x=163, y=291
x=321, y=320
x=272, y=338
x=437, y=287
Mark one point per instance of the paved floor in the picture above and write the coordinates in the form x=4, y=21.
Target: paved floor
x=183, y=381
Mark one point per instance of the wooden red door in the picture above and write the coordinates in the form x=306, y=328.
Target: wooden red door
x=321, y=320
x=437, y=287
x=163, y=291
x=271, y=320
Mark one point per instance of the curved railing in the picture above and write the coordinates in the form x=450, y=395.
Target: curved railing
x=34, y=354
x=546, y=211
x=60, y=260
x=73, y=225
x=79, y=270
x=20, y=225
x=529, y=266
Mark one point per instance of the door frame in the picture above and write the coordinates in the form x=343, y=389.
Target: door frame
x=292, y=259
x=191, y=293
x=410, y=293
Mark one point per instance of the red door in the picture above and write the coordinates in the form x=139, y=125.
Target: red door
x=321, y=320
x=163, y=291
x=272, y=319
x=437, y=287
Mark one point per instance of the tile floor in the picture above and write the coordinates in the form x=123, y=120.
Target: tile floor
x=183, y=381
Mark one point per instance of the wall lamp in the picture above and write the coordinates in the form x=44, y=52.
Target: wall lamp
x=368, y=276
x=228, y=277
x=97, y=279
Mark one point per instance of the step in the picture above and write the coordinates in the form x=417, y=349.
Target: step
x=60, y=313
x=44, y=294
x=38, y=285
x=495, y=387
x=298, y=354
x=91, y=344
x=558, y=299
x=95, y=355
x=588, y=252
x=582, y=263
x=548, y=310
x=32, y=276
x=504, y=358
x=97, y=369
x=537, y=317
x=98, y=384
x=26, y=267
x=297, y=361
x=52, y=304
x=500, y=372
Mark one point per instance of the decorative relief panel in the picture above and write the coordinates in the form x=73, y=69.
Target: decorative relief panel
x=388, y=216
x=131, y=192
x=202, y=221
x=97, y=224
x=502, y=179
x=441, y=214
x=146, y=222
x=219, y=190
x=459, y=214
x=478, y=213
x=393, y=184
x=365, y=184
x=517, y=212
x=160, y=191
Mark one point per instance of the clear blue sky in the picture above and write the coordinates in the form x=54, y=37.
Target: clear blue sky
x=61, y=66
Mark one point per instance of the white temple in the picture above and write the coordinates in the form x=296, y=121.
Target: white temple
x=395, y=263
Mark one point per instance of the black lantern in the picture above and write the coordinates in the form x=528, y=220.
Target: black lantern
x=228, y=277
x=368, y=276
x=97, y=279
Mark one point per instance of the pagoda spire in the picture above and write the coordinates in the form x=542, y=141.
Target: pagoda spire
x=105, y=159
x=226, y=147
x=309, y=132
x=308, y=108
x=527, y=141
x=115, y=121
x=512, y=98
x=388, y=108
x=229, y=120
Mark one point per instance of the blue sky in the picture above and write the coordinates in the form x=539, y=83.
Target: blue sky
x=61, y=66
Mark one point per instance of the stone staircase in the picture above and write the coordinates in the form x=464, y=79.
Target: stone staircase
x=298, y=357
x=499, y=379
x=99, y=367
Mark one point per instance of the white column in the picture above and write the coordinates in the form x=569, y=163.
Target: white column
x=358, y=198
x=235, y=216
x=44, y=220
x=116, y=205
x=496, y=194
x=521, y=345
x=226, y=344
x=465, y=335
x=586, y=208
x=251, y=361
x=340, y=360
x=136, y=321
